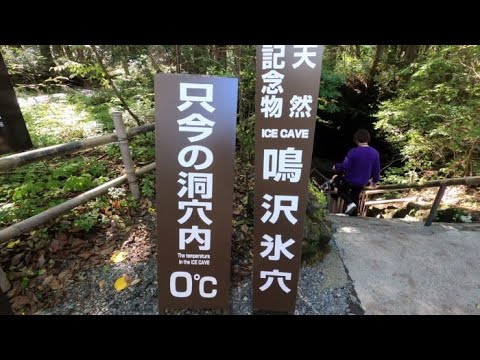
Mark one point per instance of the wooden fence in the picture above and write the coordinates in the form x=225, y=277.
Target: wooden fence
x=336, y=206
x=121, y=135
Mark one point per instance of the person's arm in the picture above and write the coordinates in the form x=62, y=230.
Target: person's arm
x=343, y=166
x=376, y=171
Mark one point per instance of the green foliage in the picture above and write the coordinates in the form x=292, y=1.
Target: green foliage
x=246, y=138
x=90, y=71
x=318, y=200
x=86, y=221
x=147, y=185
x=37, y=187
x=330, y=90
x=22, y=62
x=143, y=148
x=317, y=231
x=434, y=121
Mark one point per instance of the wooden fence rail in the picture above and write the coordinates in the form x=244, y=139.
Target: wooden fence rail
x=442, y=184
x=471, y=180
x=47, y=215
x=16, y=160
x=336, y=206
x=27, y=157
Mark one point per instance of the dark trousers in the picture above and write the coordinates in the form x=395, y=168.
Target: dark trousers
x=349, y=192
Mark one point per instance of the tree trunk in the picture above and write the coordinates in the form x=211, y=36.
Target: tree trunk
x=68, y=52
x=177, y=57
x=374, y=69
x=238, y=69
x=333, y=53
x=221, y=55
x=125, y=66
x=80, y=54
x=411, y=52
x=153, y=60
x=114, y=88
x=57, y=51
x=47, y=58
x=357, y=52
x=469, y=160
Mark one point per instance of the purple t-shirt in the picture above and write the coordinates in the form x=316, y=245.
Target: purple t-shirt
x=360, y=165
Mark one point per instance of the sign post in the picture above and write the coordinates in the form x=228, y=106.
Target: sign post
x=288, y=80
x=195, y=118
x=13, y=132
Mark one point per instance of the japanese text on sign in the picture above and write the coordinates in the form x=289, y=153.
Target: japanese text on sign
x=195, y=137
x=288, y=79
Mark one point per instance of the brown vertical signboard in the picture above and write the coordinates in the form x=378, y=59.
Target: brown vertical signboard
x=13, y=132
x=195, y=119
x=288, y=80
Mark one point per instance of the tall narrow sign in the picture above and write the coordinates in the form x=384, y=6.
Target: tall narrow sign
x=13, y=132
x=288, y=80
x=195, y=119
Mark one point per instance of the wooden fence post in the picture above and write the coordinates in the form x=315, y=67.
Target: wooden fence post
x=436, y=204
x=126, y=155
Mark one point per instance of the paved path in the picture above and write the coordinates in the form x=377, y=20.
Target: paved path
x=401, y=267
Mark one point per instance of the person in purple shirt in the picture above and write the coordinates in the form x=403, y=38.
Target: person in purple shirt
x=361, y=166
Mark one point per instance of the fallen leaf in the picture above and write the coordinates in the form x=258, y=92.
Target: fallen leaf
x=478, y=306
x=101, y=284
x=244, y=228
x=108, y=250
x=55, y=245
x=63, y=274
x=86, y=254
x=61, y=237
x=11, y=244
x=54, y=284
x=135, y=282
x=121, y=283
x=47, y=280
x=119, y=256
x=77, y=243
x=238, y=210
x=17, y=258
x=41, y=261
x=20, y=301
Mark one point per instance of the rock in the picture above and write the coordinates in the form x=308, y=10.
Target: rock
x=245, y=298
x=373, y=211
x=412, y=206
x=412, y=209
x=449, y=215
x=16, y=259
x=422, y=214
x=400, y=214
x=4, y=283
